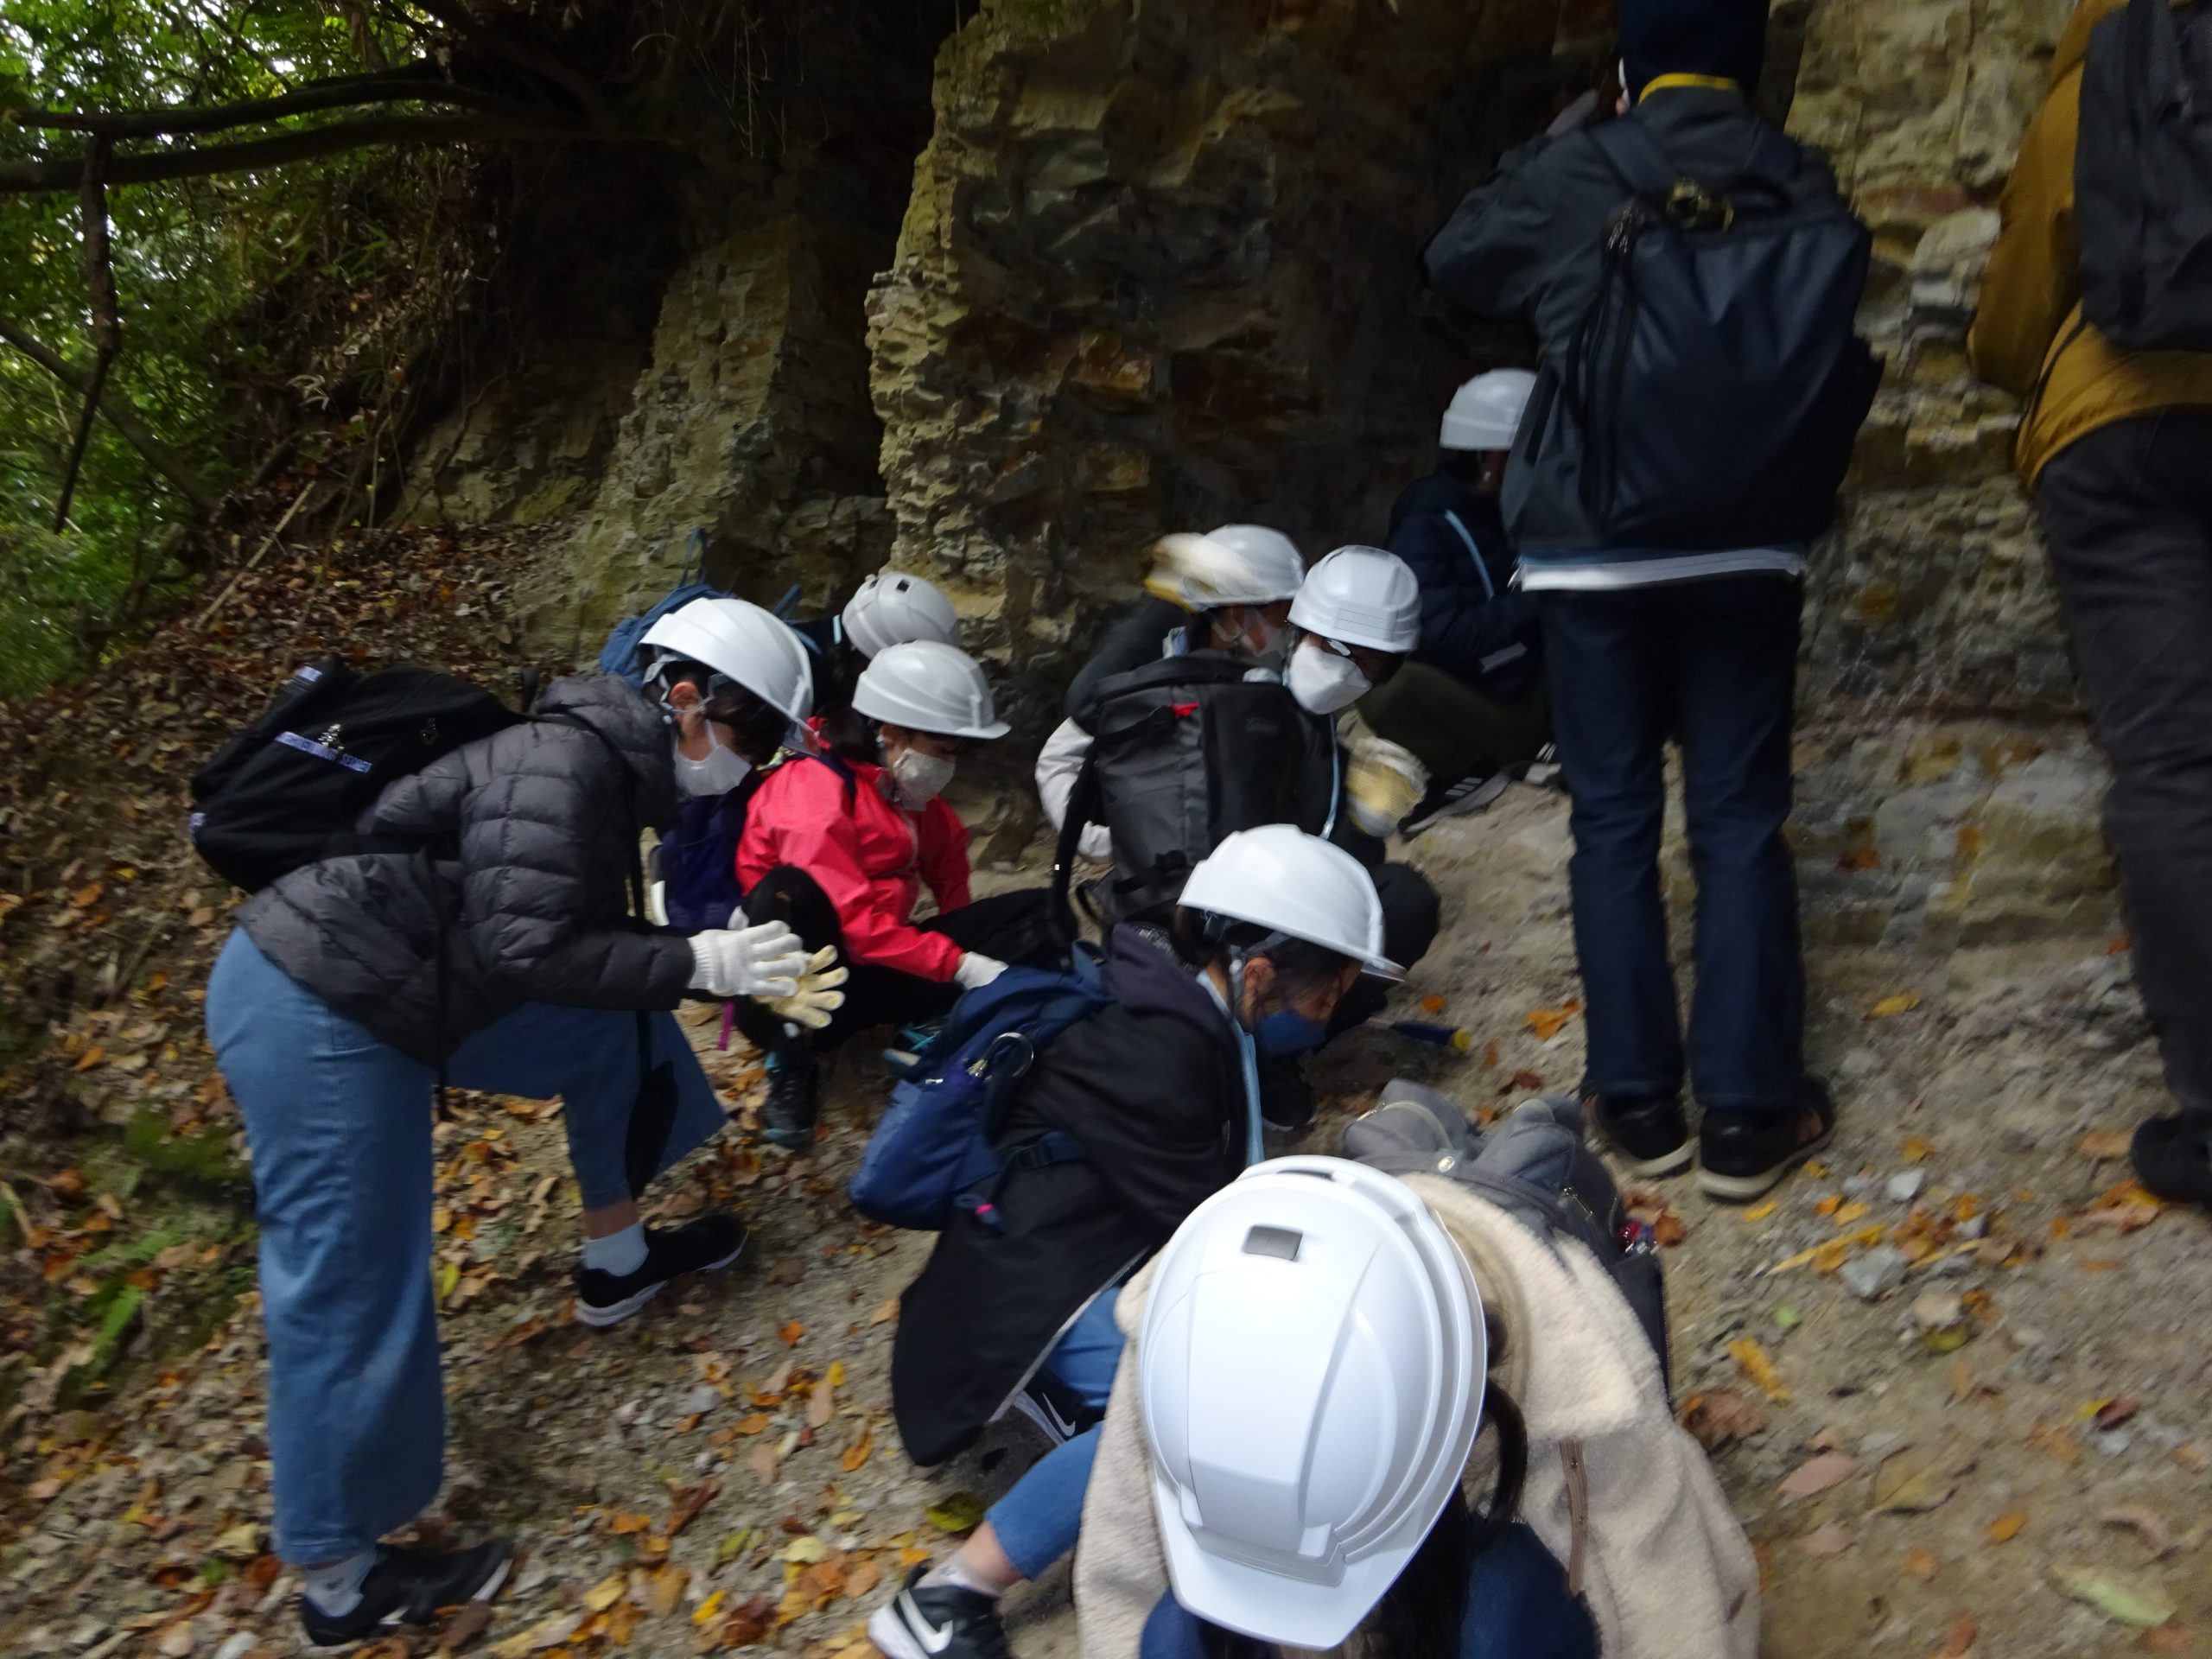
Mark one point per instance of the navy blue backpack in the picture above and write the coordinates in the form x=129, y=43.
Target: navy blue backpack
x=933, y=1157
x=622, y=656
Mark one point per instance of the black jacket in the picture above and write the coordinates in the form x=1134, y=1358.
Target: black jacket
x=1151, y=1088
x=534, y=909
x=1474, y=625
x=1525, y=245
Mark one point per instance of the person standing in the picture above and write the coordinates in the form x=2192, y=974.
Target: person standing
x=2113, y=445
x=1682, y=625
x=1469, y=704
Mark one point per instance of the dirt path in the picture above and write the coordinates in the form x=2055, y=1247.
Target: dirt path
x=1970, y=1466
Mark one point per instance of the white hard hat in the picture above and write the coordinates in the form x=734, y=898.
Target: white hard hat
x=1277, y=877
x=741, y=642
x=1485, y=412
x=891, y=607
x=1236, y=564
x=930, y=686
x=1362, y=596
x=1288, y=1510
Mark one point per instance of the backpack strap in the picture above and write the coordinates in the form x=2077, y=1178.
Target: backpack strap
x=851, y=778
x=1489, y=588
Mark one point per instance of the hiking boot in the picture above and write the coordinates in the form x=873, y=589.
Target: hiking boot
x=794, y=1099
x=1054, y=1407
x=411, y=1587
x=1454, y=797
x=2172, y=1157
x=941, y=1622
x=702, y=1246
x=1651, y=1136
x=1742, y=1155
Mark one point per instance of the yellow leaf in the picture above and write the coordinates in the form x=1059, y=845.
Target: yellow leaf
x=1917, y=1150
x=804, y=1552
x=836, y=1374
x=961, y=1512
x=754, y=1423
x=1903, y=1003
x=1752, y=1358
x=856, y=1454
x=604, y=1594
x=1548, y=1023
x=448, y=1276
x=703, y=1615
x=669, y=1586
x=1761, y=1211
x=1855, y=1211
x=2005, y=1528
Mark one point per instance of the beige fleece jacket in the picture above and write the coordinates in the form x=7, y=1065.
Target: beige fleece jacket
x=1664, y=1565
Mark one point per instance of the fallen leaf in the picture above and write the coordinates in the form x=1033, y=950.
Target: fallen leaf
x=703, y=1614
x=1817, y=1475
x=1490, y=1055
x=1903, y=1003
x=2118, y=1600
x=608, y=1591
x=1761, y=1211
x=1911, y=1482
x=2169, y=1637
x=790, y=1330
x=864, y=1577
x=1855, y=1211
x=1752, y=1360
x=1921, y=1564
x=2144, y=1522
x=1917, y=1150
x=2106, y=1144
x=1787, y=1318
x=624, y=1524
x=1959, y=1638
x=754, y=1423
x=961, y=1512
x=2111, y=1413
x=471, y=1622
x=2005, y=1528
x=1858, y=858
x=1527, y=1080
x=668, y=1588
x=1432, y=1005
x=1548, y=1023
x=684, y=1507
x=1831, y=1540
x=1719, y=1415
x=857, y=1453
x=805, y=1551
x=821, y=1404
x=886, y=1312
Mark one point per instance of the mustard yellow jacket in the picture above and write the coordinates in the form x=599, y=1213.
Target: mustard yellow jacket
x=2030, y=318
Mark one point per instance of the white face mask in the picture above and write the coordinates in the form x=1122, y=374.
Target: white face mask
x=921, y=778
x=723, y=769
x=1324, y=682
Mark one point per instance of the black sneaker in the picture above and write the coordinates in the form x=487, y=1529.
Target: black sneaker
x=1052, y=1406
x=701, y=1246
x=2172, y=1157
x=1453, y=798
x=1742, y=1155
x=794, y=1099
x=943, y=1622
x=411, y=1587
x=1651, y=1136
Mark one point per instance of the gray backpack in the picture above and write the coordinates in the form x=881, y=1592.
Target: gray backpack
x=1535, y=1165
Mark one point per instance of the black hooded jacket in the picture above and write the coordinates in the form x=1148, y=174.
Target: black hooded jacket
x=1475, y=624
x=546, y=817
x=1151, y=1088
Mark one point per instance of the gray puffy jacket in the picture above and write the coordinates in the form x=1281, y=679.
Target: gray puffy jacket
x=536, y=907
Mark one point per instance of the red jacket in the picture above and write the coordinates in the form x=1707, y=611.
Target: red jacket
x=868, y=855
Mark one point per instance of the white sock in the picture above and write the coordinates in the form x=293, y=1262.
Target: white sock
x=336, y=1590
x=620, y=1254
x=955, y=1572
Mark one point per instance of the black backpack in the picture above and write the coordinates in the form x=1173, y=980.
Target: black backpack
x=1185, y=750
x=2143, y=179
x=1710, y=395
x=289, y=788
x=1535, y=1165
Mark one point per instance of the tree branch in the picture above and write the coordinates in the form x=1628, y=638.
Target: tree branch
x=107, y=328
x=533, y=58
x=117, y=412
x=198, y=160
x=338, y=92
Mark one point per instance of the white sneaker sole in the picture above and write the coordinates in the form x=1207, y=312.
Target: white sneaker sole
x=486, y=1592
x=614, y=1312
x=890, y=1635
x=1742, y=1189
x=1477, y=799
x=1652, y=1169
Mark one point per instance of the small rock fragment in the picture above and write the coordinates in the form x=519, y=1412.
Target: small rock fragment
x=702, y=1399
x=1972, y=1227
x=1903, y=1189
x=1880, y=1444
x=1875, y=1274
x=1938, y=1310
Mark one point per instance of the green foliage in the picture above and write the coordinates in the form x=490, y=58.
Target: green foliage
x=229, y=286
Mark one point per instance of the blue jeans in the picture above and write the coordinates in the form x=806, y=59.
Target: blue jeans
x=1518, y=1607
x=1039, y=1518
x=1713, y=664
x=339, y=1126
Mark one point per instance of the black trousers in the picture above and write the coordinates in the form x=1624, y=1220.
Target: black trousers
x=2127, y=512
x=1410, y=917
x=1015, y=927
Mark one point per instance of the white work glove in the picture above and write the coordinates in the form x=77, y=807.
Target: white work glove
x=765, y=961
x=976, y=970
x=817, y=996
x=657, y=904
x=1384, y=782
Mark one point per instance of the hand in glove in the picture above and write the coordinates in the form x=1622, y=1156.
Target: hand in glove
x=976, y=970
x=1384, y=782
x=817, y=996
x=763, y=961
